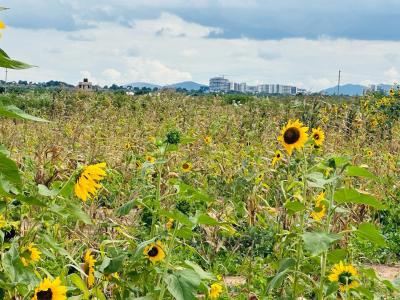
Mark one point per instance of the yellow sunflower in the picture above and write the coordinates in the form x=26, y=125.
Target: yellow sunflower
x=277, y=158
x=154, y=252
x=2, y=25
x=293, y=136
x=345, y=275
x=50, y=290
x=150, y=159
x=30, y=254
x=88, y=182
x=391, y=92
x=186, y=167
x=319, y=209
x=170, y=224
x=318, y=136
x=207, y=139
x=259, y=178
x=138, y=164
x=88, y=267
x=215, y=290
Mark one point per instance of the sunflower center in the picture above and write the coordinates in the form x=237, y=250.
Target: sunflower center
x=153, y=252
x=45, y=295
x=316, y=136
x=345, y=278
x=278, y=155
x=291, y=135
x=186, y=166
x=86, y=268
x=318, y=208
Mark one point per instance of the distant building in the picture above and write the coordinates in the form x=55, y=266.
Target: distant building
x=219, y=84
x=85, y=85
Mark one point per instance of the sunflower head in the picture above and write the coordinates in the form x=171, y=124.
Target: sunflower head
x=87, y=184
x=170, y=224
x=318, y=136
x=154, y=252
x=391, y=92
x=88, y=267
x=319, y=210
x=186, y=167
x=277, y=158
x=30, y=254
x=345, y=275
x=50, y=290
x=215, y=290
x=293, y=136
x=207, y=139
x=150, y=159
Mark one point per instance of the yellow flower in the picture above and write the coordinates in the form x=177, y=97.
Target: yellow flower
x=207, y=139
x=391, y=92
x=345, y=275
x=272, y=211
x=154, y=252
x=277, y=158
x=369, y=153
x=259, y=178
x=293, y=136
x=319, y=209
x=88, y=182
x=150, y=159
x=318, y=136
x=30, y=254
x=88, y=267
x=50, y=290
x=170, y=224
x=138, y=164
x=2, y=25
x=186, y=167
x=152, y=139
x=215, y=290
x=128, y=146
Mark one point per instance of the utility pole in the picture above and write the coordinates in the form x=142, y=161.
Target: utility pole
x=338, y=84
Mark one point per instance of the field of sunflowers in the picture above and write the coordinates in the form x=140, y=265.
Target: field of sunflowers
x=173, y=196
x=170, y=196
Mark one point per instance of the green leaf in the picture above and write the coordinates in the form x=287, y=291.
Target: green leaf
x=294, y=206
x=30, y=200
x=367, y=231
x=125, y=208
x=318, y=242
x=317, y=180
x=337, y=255
x=9, y=174
x=346, y=195
x=202, y=274
x=4, y=151
x=79, y=283
x=190, y=193
x=183, y=284
x=14, y=112
x=359, y=172
x=7, y=62
x=178, y=217
x=204, y=219
x=45, y=191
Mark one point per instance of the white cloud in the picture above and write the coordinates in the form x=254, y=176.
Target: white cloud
x=112, y=53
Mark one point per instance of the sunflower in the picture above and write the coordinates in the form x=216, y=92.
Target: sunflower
x=293, y=136
x=88, y=182
x=88, y=267
x=259, y=178
x=150, y=159
x=154, y=252
x=215, y=290
x=277, y=157
x=138, y=164
x=128, y=146
x=186, y=167
x=30, y=254
x=345, y=275
x=50, y=290
x=319, y=209
x=318, y=136
x=170, y=224
x=391, y=92
x=207, y=139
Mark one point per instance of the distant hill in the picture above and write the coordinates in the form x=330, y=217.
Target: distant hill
x=142, y=85
x=346, y=89
x=354, y=89
x=188, y=85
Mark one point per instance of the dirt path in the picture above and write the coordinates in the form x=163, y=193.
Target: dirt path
x=387, y=272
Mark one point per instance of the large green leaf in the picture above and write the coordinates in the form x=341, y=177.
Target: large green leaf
x=7, y=62
x=359, y=172
x=9, y=175
x=294, y=206
x=318, y=242
x=368, y=232
x=346, y=195
x=183, y=284
x=14, y=112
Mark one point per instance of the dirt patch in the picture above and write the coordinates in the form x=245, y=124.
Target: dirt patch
x=387, y=272
x=234, y=280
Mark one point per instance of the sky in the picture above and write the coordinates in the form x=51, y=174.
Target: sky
x=302, y=43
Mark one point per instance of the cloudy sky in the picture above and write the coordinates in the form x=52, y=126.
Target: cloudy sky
x=303, y=43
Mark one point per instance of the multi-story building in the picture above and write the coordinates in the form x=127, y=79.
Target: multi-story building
x=85, y=85
x=219, y=84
